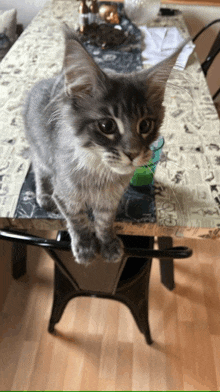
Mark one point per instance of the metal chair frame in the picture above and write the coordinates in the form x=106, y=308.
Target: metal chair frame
x=213, y=52
x=133, y=290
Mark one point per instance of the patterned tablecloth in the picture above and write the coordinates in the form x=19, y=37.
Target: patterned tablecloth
x=185, y=198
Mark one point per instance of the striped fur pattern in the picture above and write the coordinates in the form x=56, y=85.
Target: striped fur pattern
x=88, y=132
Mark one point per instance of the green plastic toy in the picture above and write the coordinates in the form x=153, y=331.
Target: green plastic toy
x=144, y=175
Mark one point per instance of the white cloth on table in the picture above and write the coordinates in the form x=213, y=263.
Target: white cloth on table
x=161, y=42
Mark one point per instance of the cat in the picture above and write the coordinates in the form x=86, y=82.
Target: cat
x=88, y=131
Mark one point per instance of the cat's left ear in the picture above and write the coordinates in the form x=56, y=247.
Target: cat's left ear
x=156, y=77
x=83, y=76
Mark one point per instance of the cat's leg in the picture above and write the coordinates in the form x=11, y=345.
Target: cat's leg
x=111, y=245
x=83, y=240
x=44, y=188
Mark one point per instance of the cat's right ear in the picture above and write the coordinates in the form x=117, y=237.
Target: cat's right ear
x=157, y=76
x=83, y=77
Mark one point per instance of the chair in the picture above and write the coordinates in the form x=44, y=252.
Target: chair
x=9, y=30
x=213, y=52
x=127, y=281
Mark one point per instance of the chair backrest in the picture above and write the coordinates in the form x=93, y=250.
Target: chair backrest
x=213, y=52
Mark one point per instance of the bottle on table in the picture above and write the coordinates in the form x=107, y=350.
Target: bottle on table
x=94, y=12
x=83, y=16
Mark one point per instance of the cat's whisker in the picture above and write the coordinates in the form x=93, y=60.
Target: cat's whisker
x=149, y=168
x=175, y=86
x=55, y=99
x=173, y=163
x=54, y=116
x=175, y=197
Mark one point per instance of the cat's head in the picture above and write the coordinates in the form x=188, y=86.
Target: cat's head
x=116, y=116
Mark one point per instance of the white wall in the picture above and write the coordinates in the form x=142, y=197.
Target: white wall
x=26, y=9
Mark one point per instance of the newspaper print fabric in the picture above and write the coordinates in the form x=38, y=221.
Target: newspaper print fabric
x=187, y=179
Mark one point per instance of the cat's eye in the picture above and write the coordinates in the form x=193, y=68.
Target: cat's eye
x=146, y=126
x=107, y=126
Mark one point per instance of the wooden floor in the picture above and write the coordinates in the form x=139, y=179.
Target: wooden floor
x=98, y=346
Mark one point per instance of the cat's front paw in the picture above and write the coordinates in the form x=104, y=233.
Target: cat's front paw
x=47, y=203
x=113, y=250
x=85, y=251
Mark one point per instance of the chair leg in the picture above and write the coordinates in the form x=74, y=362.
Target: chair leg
x=166, y=265
x=19, y=259
x=63, y=292
x=132, y=290
x=135, y=294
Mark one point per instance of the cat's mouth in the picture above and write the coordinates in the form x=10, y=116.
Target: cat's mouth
x=142, y=159
x=122, y=164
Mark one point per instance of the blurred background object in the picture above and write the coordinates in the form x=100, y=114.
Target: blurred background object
x=141, y=11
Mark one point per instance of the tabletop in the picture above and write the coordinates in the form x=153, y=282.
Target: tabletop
x=185, y=198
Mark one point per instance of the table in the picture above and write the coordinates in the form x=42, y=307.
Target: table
x=187, y=178
x=38, y=54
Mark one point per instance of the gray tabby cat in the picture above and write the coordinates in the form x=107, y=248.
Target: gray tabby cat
x=88, y=132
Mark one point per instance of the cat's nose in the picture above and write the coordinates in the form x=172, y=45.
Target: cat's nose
x=131, y=155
